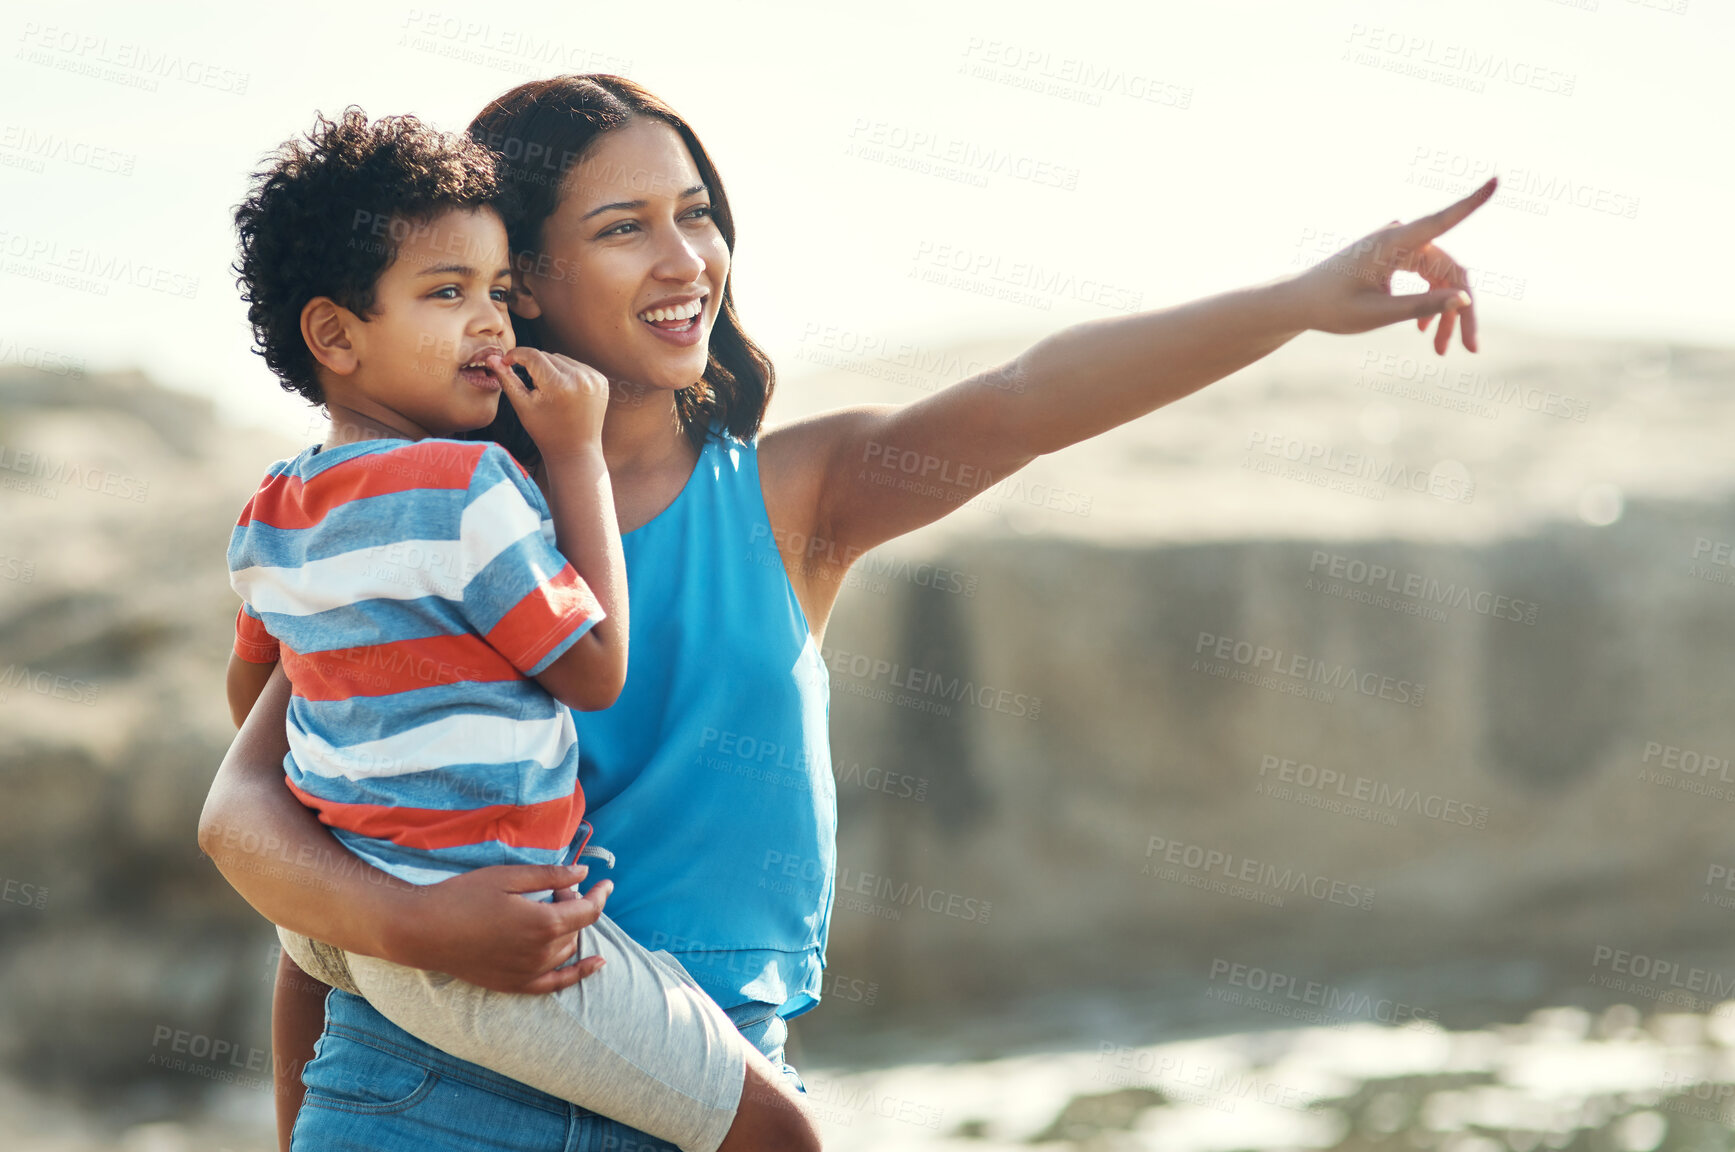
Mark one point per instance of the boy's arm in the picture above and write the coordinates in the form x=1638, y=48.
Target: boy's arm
x=589, y=675
x=564, y=415
x=243, y=683
x=252, y=657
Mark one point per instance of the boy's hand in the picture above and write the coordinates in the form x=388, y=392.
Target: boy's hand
x=564, y=412
x=476, y=927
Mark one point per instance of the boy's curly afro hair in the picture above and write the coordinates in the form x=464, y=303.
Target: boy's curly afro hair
x=312, y=222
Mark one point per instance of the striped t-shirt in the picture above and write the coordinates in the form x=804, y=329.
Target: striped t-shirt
x=410, y=589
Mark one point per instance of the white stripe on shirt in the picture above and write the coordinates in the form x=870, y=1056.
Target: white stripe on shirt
x=467, y=738
x=401, y=570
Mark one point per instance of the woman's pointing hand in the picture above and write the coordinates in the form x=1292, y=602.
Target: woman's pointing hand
x=1351, y=291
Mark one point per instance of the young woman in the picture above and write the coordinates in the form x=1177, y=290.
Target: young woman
x=623, y=239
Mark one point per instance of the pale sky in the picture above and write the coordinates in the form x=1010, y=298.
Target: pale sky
x=1123, y=155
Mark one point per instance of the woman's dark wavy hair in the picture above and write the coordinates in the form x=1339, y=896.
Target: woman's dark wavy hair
x=539, y=131
x=324, y=216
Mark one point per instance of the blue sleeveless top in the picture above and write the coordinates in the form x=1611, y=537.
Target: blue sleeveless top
x=709, y=778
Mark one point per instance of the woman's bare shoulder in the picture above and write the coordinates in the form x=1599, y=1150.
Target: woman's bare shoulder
x=800, y=458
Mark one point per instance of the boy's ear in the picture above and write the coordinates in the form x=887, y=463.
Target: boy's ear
x=326, y=327
x=524, y=302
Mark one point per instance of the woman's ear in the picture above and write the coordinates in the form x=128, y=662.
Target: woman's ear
x=326, y=326
x=524, y=302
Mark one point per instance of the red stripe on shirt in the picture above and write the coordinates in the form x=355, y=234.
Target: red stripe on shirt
x=400, y=666
x=547, y=615
x=252, y=642
x=286, y=501
x=551, y=824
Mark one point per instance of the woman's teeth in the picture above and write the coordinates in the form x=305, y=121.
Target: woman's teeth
x=675, y=317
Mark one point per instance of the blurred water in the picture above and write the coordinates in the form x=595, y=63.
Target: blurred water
x=1562, y=1078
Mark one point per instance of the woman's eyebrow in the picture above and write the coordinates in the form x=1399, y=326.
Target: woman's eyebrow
x=693, y=191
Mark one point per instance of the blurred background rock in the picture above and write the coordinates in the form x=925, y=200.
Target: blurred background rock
x=1069, y=844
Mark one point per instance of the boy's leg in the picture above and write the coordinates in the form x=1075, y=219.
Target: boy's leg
x=297, y=1019
x=637, y=1041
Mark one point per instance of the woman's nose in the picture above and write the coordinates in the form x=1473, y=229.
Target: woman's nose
x=679, y=259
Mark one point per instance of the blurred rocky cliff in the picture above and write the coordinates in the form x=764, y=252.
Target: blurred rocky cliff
x=116, y=502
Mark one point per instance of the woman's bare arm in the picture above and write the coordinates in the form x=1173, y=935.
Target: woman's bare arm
x=889, y=469
x=290, y=868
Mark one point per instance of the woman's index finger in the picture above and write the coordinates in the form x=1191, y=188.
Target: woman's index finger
x=1425, y=228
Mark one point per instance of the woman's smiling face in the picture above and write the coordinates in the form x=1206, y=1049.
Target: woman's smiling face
x=631, y=273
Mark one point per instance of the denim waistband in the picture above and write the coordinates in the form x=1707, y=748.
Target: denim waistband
x=355, y=1019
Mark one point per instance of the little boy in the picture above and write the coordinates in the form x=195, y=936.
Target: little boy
x=418, y=591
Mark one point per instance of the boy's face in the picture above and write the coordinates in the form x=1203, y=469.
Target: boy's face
x=439, y=307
